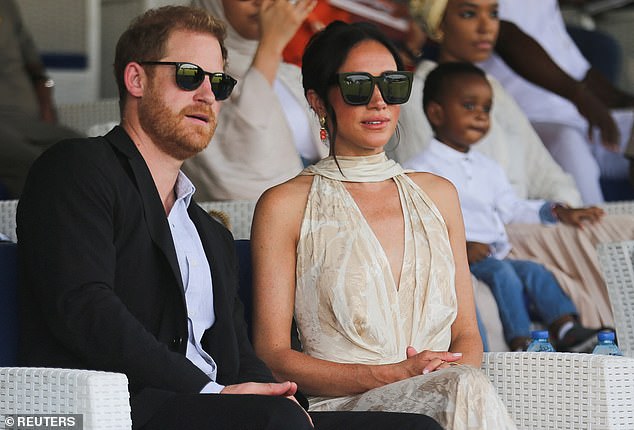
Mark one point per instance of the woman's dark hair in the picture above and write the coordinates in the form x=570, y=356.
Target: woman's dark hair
x=327, y=50
x=444, y=76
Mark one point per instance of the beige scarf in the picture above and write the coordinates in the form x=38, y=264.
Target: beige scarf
x=371, y=168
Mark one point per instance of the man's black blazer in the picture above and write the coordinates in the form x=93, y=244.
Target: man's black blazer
x=100, y=283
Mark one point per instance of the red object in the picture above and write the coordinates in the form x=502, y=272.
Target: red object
x=323, y=135
x=321, y=16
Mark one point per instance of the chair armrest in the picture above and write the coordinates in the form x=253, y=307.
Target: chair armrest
x=101, y=397
x=563, y=390
x=624, y=207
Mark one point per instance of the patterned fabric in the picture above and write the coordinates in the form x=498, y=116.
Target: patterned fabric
x=349, y=310
x=571, y=255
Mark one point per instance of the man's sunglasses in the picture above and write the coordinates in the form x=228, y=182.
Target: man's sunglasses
x=190, y=76
x=357, y=87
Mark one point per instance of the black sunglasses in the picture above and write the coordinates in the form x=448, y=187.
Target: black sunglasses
x=357, y=87
x=190, y=76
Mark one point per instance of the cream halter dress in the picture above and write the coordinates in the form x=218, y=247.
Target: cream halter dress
x=349, y=310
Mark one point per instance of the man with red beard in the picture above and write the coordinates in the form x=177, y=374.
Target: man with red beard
x=122, y=271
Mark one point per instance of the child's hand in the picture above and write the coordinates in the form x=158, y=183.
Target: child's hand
x=579, y=216
x=477, y=251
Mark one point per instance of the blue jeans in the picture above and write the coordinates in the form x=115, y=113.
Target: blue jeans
x=514, y=281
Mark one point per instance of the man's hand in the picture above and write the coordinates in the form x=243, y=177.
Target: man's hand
x=477, y=251
x=579, y=216
x=286, y=389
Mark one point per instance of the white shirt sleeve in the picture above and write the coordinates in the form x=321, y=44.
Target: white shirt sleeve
x=212, y=388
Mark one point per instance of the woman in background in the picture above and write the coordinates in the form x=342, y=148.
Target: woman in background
x=466, y=32
x=266, y=132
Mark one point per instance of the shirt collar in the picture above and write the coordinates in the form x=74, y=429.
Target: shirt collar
x=184, y=188
x=447, y=152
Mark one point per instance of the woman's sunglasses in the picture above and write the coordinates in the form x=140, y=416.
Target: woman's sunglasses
x=190, y=76
x=357, y=87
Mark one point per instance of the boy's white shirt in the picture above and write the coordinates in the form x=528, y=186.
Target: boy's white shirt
x=511, y=141
x=487, y=199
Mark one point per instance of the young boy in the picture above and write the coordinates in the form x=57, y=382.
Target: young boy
x=457, y=100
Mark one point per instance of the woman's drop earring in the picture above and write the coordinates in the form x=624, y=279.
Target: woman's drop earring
x=323, y=133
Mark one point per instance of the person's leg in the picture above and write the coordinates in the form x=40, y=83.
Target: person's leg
x=507, y=289
x=372, y=420
x=554, y=307
x=543, y=290
x=228, y=412
x=572, y=151
x=483, y=331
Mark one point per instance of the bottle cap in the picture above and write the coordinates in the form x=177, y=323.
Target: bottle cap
x=605, y=335
x=539, y=334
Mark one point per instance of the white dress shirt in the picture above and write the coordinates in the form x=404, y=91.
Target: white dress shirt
x=487, y=199
x=196, y=276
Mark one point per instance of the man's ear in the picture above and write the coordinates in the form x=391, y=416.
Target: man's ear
x=316, y=103
x=135, y=79
x=435, y=114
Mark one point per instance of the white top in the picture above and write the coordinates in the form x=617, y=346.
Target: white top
x=542, y=20
x=487, y=199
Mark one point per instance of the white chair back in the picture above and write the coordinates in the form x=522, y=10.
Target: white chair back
x=7, y=218
x=616, y=260
x=240, y=213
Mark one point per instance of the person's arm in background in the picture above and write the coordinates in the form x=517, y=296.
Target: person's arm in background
x=42, y=84
x=275, y=37
x=593, y=96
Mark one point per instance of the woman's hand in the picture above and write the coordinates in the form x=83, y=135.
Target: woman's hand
x=421, y=363
x=598, y=116
x=579, y=216
x=280, y=20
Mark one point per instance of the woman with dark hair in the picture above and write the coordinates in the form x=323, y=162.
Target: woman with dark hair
x=369, y=259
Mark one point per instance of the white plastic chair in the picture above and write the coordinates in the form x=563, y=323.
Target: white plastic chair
x=90, y=118
x=553, y=390
x=616, y=260
x=100, y=397
x=7, y=218
x=239, y=212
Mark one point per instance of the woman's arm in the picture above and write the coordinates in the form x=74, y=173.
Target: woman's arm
x=274, y=35
x=274, y=236
x=465, y=336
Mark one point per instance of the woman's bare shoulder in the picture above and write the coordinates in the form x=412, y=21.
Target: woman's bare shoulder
x=442, y=192
x=431, y=183
x=285, y=199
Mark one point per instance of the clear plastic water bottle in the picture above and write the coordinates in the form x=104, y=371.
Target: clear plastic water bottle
x=606, y=345
x=540, y=342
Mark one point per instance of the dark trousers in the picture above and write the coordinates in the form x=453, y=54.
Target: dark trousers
x=253, y=412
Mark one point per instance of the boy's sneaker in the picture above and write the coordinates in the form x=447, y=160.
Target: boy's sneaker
x=578, y=339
